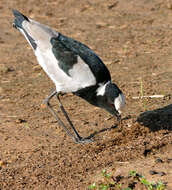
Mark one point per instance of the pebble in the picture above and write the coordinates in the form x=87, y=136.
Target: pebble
x=113, y=5
x=161, y=173
x=21, y=120
x=159, y=160
x=37, y=68
x=2, y=163
x=101, y=24
x=118, y=178
x=5, y=69
x=169, y=160
x=153, y=172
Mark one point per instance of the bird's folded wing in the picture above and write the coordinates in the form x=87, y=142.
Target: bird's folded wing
x=88, y=57
x=72, y=64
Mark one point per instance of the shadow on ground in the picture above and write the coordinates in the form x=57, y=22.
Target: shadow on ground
x=157, y=119
x=92, y=135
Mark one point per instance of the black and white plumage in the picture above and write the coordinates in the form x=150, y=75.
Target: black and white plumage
x=73, y=67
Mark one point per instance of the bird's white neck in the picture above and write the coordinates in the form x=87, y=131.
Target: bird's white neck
x=101, y=89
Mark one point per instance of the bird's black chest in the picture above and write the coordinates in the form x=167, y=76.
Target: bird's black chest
x=88, y=94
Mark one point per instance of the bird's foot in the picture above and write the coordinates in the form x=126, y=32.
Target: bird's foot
x=82, y=140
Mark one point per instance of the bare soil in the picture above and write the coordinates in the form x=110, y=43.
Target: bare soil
x=134, y=39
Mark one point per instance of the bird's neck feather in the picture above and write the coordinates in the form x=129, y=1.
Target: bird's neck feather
x=89, y=94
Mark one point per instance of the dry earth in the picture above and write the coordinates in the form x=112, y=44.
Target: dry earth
x=134, y=39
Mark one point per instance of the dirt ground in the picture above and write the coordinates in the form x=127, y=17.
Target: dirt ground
x=134, y=39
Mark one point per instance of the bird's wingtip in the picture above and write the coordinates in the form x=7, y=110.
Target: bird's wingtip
x=19, y=18
x=16, y=12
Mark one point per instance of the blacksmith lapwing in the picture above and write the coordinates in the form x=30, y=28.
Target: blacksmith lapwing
x=73, y=67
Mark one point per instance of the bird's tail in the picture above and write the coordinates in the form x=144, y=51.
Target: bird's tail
x=20, y=21
x=37, y=34
x=19, y=18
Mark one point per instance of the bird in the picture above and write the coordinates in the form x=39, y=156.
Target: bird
x=74, y=68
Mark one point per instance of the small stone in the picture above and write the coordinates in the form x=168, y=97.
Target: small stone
x=153, y=172
x=62, y=19
x=5, y=69
x=118, y=178
x=85, y=122
x=169, y=160
x=101, y=24
x=107, y=62
x=161, y=173
x=37, y=68
x=49, y=176
x=159, y=160
x=2, y=163
x=113, y=5
x=43, y=106
x=21, y=120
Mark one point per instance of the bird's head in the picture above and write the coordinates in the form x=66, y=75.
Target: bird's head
x=111, y=98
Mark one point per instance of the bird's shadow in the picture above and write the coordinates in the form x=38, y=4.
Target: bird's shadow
x=106, y=129
x=101, y=131
x=157, y=119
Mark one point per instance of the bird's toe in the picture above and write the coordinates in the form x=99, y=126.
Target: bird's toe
x=83, y=140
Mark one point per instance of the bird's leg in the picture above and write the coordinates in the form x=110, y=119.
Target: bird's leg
x=79, y=138
x=119, y=119
x=46, y=101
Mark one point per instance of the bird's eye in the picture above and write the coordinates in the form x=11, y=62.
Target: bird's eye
x=111, y=105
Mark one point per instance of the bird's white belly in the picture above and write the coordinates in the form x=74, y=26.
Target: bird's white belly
x=63, y=82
